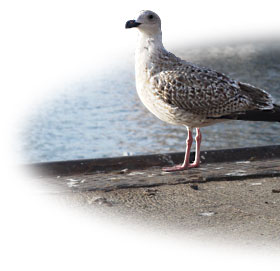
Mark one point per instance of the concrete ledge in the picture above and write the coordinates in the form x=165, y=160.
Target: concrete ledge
x=145, y=171
x=148, y=161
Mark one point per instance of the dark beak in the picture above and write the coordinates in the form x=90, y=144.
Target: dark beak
x=131, y=23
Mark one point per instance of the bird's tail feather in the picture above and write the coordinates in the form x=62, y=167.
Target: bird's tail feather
x=272, y=115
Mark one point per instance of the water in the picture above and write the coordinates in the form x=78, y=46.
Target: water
x=104, y=117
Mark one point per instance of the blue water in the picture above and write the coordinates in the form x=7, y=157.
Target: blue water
x=103, y=116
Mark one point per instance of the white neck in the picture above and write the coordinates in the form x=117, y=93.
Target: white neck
x=150, y=42
x=149, y=48
x=148, y=51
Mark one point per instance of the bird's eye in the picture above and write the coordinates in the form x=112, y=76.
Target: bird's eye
x=150, y=17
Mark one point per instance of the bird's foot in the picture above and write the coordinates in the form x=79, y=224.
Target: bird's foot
x=180, y=167
x=174, y=168
x=194, y=164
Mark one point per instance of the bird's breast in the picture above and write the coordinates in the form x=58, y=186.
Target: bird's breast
x=164, y=111
x=148, y=96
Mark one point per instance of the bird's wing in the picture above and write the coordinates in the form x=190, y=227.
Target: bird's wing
x=206, y=92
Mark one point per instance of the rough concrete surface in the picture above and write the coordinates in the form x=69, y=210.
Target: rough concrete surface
x=236, y=201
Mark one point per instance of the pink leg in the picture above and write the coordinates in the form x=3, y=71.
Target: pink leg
x=198, y=139
x=186, y=164
x=187, y=155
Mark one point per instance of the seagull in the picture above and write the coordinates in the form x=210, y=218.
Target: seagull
x=181, y=93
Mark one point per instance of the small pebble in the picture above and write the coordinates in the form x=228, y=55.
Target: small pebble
x=243, y=162
x=275, y=190
x=194, y=186
x=151, y=192
x=135, y=173
x=103, y=201
x=123, y=171
x=207, y=214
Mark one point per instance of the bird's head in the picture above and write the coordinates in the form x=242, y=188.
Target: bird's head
x=147, y=22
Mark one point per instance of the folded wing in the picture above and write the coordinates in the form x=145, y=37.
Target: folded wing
x=211, y=94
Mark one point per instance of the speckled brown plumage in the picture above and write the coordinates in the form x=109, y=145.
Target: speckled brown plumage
x=203, y=91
